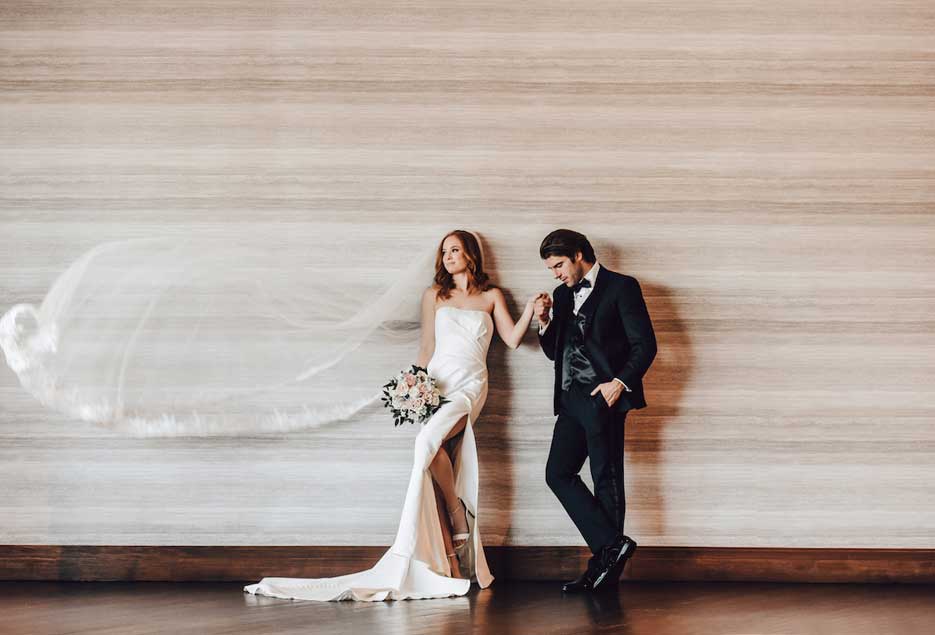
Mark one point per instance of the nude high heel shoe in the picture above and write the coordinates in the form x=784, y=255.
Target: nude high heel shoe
x=452, y=514
x=465, y=552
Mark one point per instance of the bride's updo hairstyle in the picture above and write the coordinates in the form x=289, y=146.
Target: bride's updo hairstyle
x=478, y=280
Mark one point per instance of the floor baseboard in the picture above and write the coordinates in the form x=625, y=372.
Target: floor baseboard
x=245, y=563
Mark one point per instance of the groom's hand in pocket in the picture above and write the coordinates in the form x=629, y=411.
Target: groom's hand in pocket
x=610, y=391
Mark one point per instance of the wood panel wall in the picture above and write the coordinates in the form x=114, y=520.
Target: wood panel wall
x=764, y=169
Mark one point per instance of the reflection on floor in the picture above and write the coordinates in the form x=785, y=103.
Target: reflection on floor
x=46, y=608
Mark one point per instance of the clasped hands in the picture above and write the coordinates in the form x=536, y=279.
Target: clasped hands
x=541, y=305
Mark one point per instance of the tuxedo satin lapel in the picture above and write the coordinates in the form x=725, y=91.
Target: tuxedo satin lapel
x=589, y=308
x=567, y=307
x=562, y=314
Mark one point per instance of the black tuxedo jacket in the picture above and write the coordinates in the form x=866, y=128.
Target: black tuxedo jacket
x=618, y=335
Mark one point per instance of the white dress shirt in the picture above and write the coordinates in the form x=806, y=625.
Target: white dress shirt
x=580, y=296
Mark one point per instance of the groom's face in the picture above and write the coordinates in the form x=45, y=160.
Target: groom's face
x=568, y=270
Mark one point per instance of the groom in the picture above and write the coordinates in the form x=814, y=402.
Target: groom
x=600, y=337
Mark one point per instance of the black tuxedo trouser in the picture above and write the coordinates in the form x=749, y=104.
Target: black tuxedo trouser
x=587, y=429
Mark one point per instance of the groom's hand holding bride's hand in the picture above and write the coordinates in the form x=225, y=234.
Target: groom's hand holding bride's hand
x=541, y=306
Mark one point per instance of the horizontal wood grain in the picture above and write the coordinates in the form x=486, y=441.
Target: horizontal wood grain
x=517, y=608
x=764, y=169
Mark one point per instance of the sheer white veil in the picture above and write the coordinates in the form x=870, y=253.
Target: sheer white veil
x=169, y=337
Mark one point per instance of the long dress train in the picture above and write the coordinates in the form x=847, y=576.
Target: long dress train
x=416, y=566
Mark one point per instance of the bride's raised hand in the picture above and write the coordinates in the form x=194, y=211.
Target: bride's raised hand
x=541, y=305
x=535, y=300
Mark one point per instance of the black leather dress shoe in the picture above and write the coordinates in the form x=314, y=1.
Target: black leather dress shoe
x=613, y=560
x=584, y=582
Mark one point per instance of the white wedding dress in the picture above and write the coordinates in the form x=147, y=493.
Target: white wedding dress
x=416, y=566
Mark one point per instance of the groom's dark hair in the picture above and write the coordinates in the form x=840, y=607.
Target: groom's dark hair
x=565, y=242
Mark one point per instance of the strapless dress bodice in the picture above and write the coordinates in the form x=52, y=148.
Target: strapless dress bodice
x=463, y=333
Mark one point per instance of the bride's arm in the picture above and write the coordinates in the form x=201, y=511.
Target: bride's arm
x=512, y=334
x=427, y=339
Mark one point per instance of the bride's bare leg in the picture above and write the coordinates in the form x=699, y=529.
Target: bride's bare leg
x=443, y=475
x=446, y=530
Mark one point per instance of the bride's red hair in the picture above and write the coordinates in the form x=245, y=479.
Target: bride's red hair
x=478, y=280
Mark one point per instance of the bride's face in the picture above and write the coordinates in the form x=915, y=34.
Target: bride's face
x=453, y=255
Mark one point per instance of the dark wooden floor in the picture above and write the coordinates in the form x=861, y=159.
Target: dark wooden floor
x=40, y=608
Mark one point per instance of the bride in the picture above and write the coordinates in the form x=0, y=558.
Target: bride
x=438, y=550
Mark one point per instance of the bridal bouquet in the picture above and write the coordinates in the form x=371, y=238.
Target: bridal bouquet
x=412, y=396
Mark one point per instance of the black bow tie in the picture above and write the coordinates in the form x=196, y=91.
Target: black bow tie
x=584, y=283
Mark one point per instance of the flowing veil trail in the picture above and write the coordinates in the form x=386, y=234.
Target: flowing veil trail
x=198, y=337
x=168, y=337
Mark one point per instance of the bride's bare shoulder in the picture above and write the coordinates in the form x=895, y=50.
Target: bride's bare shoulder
x=492, y=292
x=494, y=296
x=430, y=294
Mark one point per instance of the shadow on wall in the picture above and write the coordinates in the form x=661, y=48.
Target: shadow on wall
x=494, y=442
x=644, y=447
x=664, y=384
